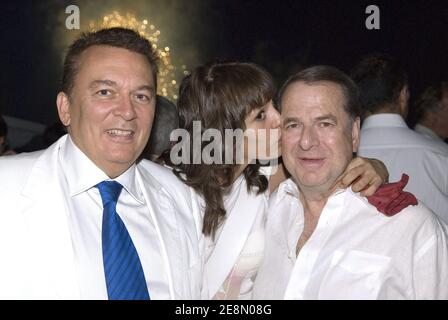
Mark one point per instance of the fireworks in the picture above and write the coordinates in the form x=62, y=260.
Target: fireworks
x=169, y=74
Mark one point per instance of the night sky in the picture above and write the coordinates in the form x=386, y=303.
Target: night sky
x=283, y=36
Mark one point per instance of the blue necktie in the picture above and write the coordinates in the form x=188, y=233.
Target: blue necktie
x=125, y=279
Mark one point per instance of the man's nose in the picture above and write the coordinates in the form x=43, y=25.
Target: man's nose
x=308, y=138
x=126, y=109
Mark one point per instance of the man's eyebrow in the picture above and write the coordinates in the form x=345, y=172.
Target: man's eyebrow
x=327, y=117
x=290, y=119
x=96, y=83
x=111, y=83
x=146, y=87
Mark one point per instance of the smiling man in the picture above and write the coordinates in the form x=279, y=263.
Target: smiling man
x=328, y=243
x=83, y=219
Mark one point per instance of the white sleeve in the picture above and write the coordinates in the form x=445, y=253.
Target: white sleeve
x=431, y=261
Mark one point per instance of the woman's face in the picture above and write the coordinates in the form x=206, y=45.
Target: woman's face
x=262, y=134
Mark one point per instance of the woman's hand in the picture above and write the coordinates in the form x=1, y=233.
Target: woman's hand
x=363, y=174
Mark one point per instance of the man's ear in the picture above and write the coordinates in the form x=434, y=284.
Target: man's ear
x=2, y=140
x=356, y=133
x=63, y=104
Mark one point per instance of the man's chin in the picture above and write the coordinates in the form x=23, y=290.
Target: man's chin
x=120, y=154
x=122, y=161
x=315, y=183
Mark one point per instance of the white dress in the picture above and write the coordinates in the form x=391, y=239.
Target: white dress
x=234, y=257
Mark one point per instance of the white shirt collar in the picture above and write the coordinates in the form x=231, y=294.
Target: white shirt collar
x=289, y=187
x=82, y=174
x=384, y=120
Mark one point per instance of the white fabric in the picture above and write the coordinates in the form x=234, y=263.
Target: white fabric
x=85, y=223
x=427, y=132
x=386, y=137
x=38, y=256
x=235, y=255
x=355, y=252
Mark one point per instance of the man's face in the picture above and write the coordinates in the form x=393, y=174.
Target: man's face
x=318, y=139
x=111, y=108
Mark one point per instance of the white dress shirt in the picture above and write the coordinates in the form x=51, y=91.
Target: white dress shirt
x=355, y=252
x=386, y=137
x=85, y=224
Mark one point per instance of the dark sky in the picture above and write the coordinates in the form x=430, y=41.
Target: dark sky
x=281, y=35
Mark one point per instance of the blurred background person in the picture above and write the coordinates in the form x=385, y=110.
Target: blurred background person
x=165, y=121
x=42, y=141
x=383, y=85
x=4, y=148
x=432, y=109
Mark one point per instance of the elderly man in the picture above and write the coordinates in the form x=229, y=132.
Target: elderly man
x=82, y=219
x=328, y=243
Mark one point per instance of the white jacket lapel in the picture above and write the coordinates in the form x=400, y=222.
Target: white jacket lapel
x=231, y=241
x=45, y=216
x=166, y=228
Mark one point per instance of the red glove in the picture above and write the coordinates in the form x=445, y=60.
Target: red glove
x=390, y=198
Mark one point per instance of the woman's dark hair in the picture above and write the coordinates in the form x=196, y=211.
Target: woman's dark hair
x=220, y=95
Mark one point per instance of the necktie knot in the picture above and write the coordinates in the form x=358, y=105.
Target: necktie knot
x=109, y=191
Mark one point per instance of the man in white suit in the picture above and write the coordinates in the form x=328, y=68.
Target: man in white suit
x=327, y=243
x=66, y=211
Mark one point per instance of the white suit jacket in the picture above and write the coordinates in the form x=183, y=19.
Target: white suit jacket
x=37, y=260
